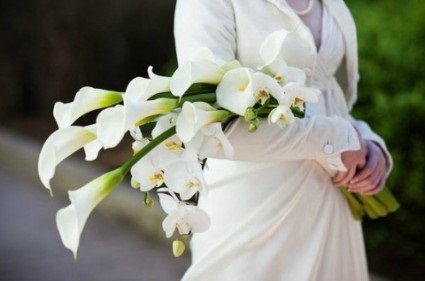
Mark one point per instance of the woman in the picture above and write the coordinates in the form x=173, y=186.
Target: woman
x=276, y=212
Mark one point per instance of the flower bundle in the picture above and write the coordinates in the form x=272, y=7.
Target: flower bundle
x=188, y=110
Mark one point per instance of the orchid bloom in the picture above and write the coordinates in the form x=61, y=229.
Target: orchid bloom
x=61, y=144
x=211, y=141
x=203, y=67
x=297, y=95
x=148, y=171
x=185, y=176
x=196, y=115
x=164, y=123
x=281, y=115
x=186, y=218
x=87, y=99
x=71, y=219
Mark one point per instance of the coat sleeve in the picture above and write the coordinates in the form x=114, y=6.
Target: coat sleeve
x=366, y=133
x=211, y=24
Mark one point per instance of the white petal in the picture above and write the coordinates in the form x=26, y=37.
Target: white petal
x=168, y=203
x=71, y=220
x=58, y=146
x=87, y=99
x=111, y=126
x=235, y=91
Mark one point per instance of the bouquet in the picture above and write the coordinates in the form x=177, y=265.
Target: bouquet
x=189, y=111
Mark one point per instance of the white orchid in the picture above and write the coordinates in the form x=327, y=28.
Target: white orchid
x=87, y=99
x=148, y=171
x=203, y=67
x=196, y=115
x=61, y=144
x=211, y=141
x=297, y=94
x=71, y=219
x=186, y=218
x=281, y=115
x=164, y=123
x=185, y=176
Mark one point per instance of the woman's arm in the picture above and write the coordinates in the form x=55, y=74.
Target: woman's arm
x=211, y=24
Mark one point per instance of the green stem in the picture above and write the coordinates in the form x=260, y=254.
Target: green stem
x=375, y=205
x=387, y=199
x=355, y=206
x=147, y=148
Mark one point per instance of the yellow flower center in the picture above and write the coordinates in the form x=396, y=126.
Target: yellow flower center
x=157, y=178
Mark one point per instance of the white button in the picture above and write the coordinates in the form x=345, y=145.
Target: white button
x=328, y=148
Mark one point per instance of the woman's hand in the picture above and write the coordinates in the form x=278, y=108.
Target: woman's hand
x=370, y=178
x=353, y=160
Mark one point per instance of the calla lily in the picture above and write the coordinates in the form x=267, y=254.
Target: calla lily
x=287, y=47
x=142, y=88
x=71, y=220
x=61, y=144
x=235, y=91
x=202, y=68
x=196, y=115
x=185, y=176
x=242, y=88
x=114, y=122
x=186, y=218
x=87, y=99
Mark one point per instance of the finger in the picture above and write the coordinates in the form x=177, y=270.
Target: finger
x=368, y=169
x=343, y=179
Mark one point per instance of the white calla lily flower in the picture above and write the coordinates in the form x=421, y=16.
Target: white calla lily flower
x=114, y=122
x=186, y=218
x=235, y=92
x=142, y=88
x=71, y=219
x=87, y=99
x=196, y=115
x=242, y=88
x=203, y=67
x=289, y=47
x=61, y=144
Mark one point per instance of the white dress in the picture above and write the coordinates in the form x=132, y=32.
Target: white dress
x=281, y=220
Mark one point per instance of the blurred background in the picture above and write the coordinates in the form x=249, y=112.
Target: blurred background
x=51, y=48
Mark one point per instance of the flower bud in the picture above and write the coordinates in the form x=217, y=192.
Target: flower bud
x=250, y=114
x=149, y=202
x=178, y=248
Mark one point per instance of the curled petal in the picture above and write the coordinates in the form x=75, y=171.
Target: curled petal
x=196, y=115
x=111, y=126
x=140, y=89
x=87, y=99
x=58, y=146
x=281, y=115
x=71, y=219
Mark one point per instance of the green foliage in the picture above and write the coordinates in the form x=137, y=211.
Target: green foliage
x=392, y=100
